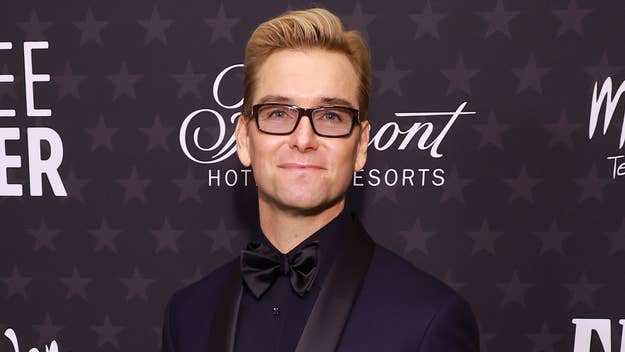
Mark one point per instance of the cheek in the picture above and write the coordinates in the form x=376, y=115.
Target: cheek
x=344, y=162
x=262, y=156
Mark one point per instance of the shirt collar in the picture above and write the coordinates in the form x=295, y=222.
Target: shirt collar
x=329, y=239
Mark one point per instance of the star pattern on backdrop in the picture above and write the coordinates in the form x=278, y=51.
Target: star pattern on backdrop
x=427, y=21
x=582, y=291
x=105, y=237
x=189, y=81
x=157, y=135
x=221, y=26
x=602, y=69
x=68, y=83
x=190, y=186
x=16, y=283
x=134, y=186
x=514, y=291
x=155, y=27
x=44, y=236
x=491, y=132
x=47, y=330
x=107, y=333
x=359, y=21
x=484, y=239
x=454, y=186
x=137, y=285
x=459, y=77
x=416, y=238
x=76, y=285
x=592, y=185
x=617, y=239
x=34, y=28
x=124, y=83
x=552, y=239
x=90, y=29
x=530, y=77
x=498, y=20
x=571, y=18
x=562, y=132
x=222, y=237
x=389, y=78
x=101, y=135
x=166, y=237
x=522, y=186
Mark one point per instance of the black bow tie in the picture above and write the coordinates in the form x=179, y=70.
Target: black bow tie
x=261, y=265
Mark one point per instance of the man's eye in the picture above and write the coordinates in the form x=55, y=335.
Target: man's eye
x=277, y=114
x=331, y=116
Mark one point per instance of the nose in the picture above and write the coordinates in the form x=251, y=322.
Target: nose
x=304, y=137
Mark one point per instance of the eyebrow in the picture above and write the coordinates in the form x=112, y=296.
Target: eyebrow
x=336, y=101
x=283, y=99
x=274, y=99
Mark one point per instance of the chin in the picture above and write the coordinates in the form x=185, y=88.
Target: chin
x=309, y=206
x=302, y=204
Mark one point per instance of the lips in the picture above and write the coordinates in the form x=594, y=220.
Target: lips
x=300, y=166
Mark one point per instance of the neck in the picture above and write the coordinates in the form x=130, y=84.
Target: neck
x=286, y=229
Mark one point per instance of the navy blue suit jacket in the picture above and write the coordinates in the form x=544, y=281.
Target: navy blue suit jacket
x=375, y=301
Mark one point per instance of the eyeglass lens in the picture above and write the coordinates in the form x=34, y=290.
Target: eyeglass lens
x=329, y=121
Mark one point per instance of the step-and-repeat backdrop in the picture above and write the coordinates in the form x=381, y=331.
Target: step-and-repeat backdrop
x=496, y=161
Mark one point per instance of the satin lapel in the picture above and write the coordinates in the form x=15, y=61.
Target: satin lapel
x=224, y=322
x=338, y=293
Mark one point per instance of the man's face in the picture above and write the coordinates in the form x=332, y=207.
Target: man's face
x=303, y=172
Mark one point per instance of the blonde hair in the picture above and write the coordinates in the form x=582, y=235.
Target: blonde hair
x=315, y=28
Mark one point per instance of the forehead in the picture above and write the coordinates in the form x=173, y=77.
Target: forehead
x=307, y=77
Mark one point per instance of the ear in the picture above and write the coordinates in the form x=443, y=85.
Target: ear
x=242, y=138
x=361, y=148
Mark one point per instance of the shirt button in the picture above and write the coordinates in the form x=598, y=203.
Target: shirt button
x=275, y=310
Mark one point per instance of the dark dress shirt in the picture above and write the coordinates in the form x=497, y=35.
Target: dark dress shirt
x=275, y=321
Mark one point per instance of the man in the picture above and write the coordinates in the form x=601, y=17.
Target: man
x=313, y=280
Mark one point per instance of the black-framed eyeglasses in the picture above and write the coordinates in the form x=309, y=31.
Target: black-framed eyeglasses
x=326, y=121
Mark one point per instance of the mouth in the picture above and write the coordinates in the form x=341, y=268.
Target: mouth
x=300, y=166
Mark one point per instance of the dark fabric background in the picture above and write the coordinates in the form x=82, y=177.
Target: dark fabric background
x=528, y=225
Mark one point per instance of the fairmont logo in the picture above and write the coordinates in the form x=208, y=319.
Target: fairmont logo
x=426, y=135
x=10, y=334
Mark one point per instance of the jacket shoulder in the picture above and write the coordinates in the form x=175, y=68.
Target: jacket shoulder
x=409, y=307
x=401, y=287
x=191, y=307
x=190, y=310
x=400, y=274
x=206, y=288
